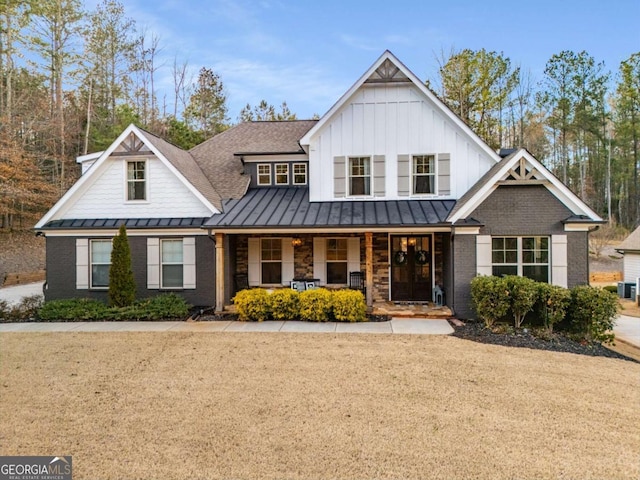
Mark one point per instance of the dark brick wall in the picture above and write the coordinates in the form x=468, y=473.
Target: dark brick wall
x=61, y=271
x=517, y=210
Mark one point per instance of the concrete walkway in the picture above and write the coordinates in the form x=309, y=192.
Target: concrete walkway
x=404, y=326
x=627, y=330
x=16, y=293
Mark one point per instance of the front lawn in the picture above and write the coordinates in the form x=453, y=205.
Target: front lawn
x=224, y=405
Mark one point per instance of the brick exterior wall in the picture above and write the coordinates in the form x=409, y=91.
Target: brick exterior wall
x=61, y=271
x=523, y=210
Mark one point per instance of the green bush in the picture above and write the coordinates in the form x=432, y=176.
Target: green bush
x=76, y=309
x=348, y=306
x=26, y=310
x=553, y=302
x=284, y=304
x=612, y=289
x=522, y=292
x=592, y=313
x=490, y=298
x=122, y=286
x=253, y=304
x=315, y=305
x=161, y=307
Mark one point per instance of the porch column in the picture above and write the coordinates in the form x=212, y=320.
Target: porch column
x=220, y=272
x=368, y=274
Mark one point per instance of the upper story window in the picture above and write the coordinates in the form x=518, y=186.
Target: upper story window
x=172, y=264
x=299, y=173
x=359, y=176
x=424, y=174
x=136, y=180
x=523, y=256
x=282, y=174
x=100, y=263
x=264, y=174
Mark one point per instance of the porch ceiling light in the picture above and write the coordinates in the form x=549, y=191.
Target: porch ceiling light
x=296, y=242
x=412, y=241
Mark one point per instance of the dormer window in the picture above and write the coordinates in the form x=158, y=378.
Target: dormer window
x=359, y=176
x=264, y=174
x=282, y=174
x=299, y=173
x=136, y=180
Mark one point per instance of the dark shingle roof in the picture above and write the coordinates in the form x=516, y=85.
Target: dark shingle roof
x=130, y=223
x=224, y=170
x=291, y=208
x=187, y=166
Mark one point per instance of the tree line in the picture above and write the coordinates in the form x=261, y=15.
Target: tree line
x=71, y=80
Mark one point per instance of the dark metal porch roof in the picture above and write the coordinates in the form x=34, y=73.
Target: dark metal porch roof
x=291, y=208
x=133, y=223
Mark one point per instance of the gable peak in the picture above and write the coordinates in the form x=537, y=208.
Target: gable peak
x=387, y=72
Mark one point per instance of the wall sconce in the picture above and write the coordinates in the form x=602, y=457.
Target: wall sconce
x=296, y=242
x=412, y=241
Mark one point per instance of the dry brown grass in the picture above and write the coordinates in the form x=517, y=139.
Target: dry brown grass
x=224, y=405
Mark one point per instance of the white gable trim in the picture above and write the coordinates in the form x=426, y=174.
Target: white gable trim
x=387, y=55
x=86, y=179
x=553, y=184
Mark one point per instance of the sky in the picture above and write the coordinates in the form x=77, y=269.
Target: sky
x=309, y=52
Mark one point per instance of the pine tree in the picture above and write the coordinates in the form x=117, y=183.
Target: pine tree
x=122, y=286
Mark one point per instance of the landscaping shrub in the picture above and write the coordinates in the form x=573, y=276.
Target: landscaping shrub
x=162, y=307
x=592, y=313
x=490, y=298
x=522, y=293
x=553, y=302
x=252, y=304
x=76, y=309
x=284, y=304
x=612, y=289
x=315, y=305
x=349, y=306
x=26, y=310
x=122, y=286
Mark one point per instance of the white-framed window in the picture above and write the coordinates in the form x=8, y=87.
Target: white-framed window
x=136, y=180
x=271, y=261
x=359, y=176
x=299, y=173
x=423, y=174
x=337, y=258
x=282, y=174
x=264, y=174
x=100, y=259
x=523, y=256
x=171, y=263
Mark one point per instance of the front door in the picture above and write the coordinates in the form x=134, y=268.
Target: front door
x=411, y=268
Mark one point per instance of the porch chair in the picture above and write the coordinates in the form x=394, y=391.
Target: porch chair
x=356, y=282
x=297, y=286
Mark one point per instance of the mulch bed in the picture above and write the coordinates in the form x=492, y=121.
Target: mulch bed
x=557, y=342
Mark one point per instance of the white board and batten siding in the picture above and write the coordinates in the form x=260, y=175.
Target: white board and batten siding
x=631, y=268
x=167, y=196
x=385, y=122
x=558, y=258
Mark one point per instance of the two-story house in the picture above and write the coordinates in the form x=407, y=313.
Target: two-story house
x=389, y=182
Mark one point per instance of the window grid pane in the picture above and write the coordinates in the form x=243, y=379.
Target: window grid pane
x=271, y=259
x=300, y=174
x=172, y=263
x=264, y=174
x=282, y=174
x=100, y=263
x=136, y=180
x=359, y=176
x=424, y=174
x=526, y=256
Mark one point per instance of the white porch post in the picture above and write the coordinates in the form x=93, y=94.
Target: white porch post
x=368, y=246
x=220, y=280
